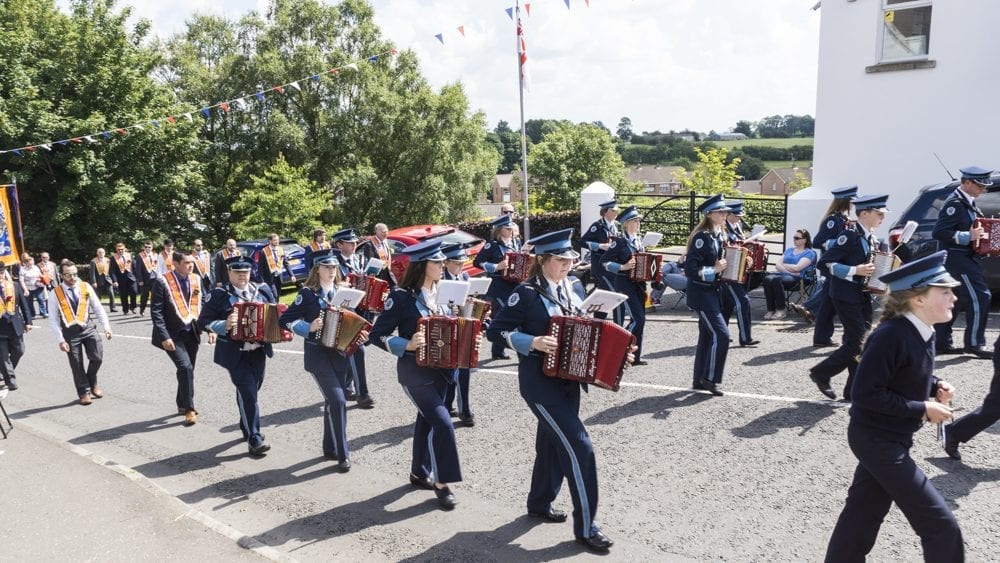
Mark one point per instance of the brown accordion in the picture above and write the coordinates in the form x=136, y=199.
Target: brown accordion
x=989, y=246
x=647, y=267
x=756, y=255
x=342, y=330
x=589, y=351
x=258, y=322
x=518, y=265
x=475, y=309
x=449, y=342
x=376, y=290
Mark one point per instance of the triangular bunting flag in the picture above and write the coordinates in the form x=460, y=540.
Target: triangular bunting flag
x=440, y=37
x=30, y=149
x=77, y=140
x=17, y=152
x=139, y=127
x=567, y=4
x=510, y=13
x=241, y=103
x=106, y=135
x=206, y=112
x=279, y=89
x=296, y=86
x=90, y=139
x=527, y=8
x=155, y=123
x=171, y=120
x=62, y=143
x=121, y=131
x=351, y=66
x=224, y=106
x=47, y=147
x=315, y=77
x=586, y=3
x=188, y=116
x=373, y=58
x=259, y=96
x=393, y=52
x=461, y=29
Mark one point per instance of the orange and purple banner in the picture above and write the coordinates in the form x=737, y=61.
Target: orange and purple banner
x=10, y=225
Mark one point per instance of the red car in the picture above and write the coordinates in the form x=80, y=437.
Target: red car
x=407, y=236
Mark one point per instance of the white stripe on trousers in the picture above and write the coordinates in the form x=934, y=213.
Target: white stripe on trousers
x=974, y=301
x=329, y=415
x=739, y=312
x=577, y=474
x=715, y=346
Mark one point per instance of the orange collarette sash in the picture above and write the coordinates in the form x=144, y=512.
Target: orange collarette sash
x=187, y=311
x=149, y=260
x=102, y=265
x=271, y=266
x=315, y=247
x=383, y=254
x=124, y=262
x=81, y=315
x=201, y=262
x=9, y=301
x=227, y=255
x=168, y=260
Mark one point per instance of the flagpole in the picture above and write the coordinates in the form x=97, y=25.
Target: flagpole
x=524, y=142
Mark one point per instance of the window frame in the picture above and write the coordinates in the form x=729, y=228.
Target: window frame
x=880, y=44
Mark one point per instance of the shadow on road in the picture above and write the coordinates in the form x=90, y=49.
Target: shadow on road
x=687, y=351
x=797, y=415
x=239, y=488
x=659, y=407
x=788, y=356
x=287, y=416
x=152, y=425
x=383, y=438
x=25, y=414
x=959, y=479
x=191, y=461
x=499, y=544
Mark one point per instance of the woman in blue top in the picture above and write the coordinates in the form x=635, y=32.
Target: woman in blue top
x=794, y=263
x=435, y=453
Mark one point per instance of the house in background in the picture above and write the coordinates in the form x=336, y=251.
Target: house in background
x=507, y=188
x=899, y=81
x=778, y=181
x=659, y=180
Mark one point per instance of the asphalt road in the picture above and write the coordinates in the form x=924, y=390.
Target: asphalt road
x=758, y=475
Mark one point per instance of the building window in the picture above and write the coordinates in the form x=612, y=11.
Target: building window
x=506, y=195
x=906, y=29
x=650, y=188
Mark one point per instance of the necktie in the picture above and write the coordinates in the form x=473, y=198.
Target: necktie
x=185, y=288
x=246, y=295
x=329, y=296
x=561, y=295
x=74, y=300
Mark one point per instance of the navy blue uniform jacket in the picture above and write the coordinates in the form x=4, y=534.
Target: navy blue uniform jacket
x=848, y=250
x=829, y=230
x=402, y=311
x=703, y=282
x=297, y=318
x=492, y=254
x=213, y=317
x=952, y=232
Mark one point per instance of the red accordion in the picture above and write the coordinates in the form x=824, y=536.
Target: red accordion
x=376, y=290
x=449, y=342
x=756, y=255
x=342, y=330
x=647, y=267
x=989, y=246
x=518, y=265
x=589, y=351
x=258, y=322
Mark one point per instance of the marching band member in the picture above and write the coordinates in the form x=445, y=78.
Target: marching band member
x=704, y=263
x=849, y=264
x=244, y=361
x=203, y=267
x=493, y=259
x=618, y=261
x=145, y=267
x=123, y=272
x=819, y=308
x=435, y=461
x=957, y=232
x=967, y=427
x=598, y=239
x=317, y=243
x=327, y=365
x=894, y=392
x=75, y=331
x=455, y=260
x=563, y=449
x=351, y=263
x=174, y=311
x=734, y=294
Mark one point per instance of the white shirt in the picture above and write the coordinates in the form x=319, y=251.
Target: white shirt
x=926, y=331
x=55, y=313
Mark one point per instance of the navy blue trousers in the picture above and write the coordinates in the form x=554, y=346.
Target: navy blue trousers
x=973, y=298
x=734, y=297
x=462, y=380
x=821, y=306
x=713, y=347
x=435, y=452
x=857, y=320
x=359, y=374
x=965, y=428
x=332, y=386
x=248, y=377
x=634, y=308
x=885, y=474
x=563, y=450
x=184, y=356
x=497, y=350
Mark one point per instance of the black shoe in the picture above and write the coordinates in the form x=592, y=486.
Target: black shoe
x=979, y=352
x=350, y=395
x=640, y=363
x=750, y=343
x=12, y=384
x=466, y=420
x=829, y=344
x=823, y=384
x=706, y=385
x=452, y=412
x=697, y=386
x=951, y=446
x=503, y=356
x=550, y=515
x=597, y=542
x=422, y=482
x=366, y=402
x=446, y=499
x=947, y=351
x=260, y=449
x=344, y=466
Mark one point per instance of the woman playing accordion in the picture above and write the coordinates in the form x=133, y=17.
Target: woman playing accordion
x=620, y=262
x=562, y=445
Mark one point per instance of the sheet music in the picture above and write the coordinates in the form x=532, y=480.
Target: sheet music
x=374, y=266
x=651, y=239
x=479, y=286
x=348, y=298
x=602, y=300
x=452, y=292
x=756, y=232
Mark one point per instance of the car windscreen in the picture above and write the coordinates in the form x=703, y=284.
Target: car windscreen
x=458, y=236
x=292, y=248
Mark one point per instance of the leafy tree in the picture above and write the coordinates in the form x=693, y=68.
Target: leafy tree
x=537, y=129
x=744, y=127
x=625, y=129
x=502, y=127
x=570, y=158
x=282, y=200
x=508, y=145
x=750, y=168
x=712, y=175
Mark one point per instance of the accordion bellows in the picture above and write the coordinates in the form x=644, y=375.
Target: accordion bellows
x=376, y=290
x=647, y=267
x=342, y=330
x=589, y=351
x=449, y=342
x=258, y=322
x=989, y=246
x=518, y=266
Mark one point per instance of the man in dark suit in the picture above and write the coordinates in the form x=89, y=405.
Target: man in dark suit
x=174, y=310
x=123, y=276
x=145, y=268
x=270, y=263
x=101, y=278
x=219, y=271
x=244, y=360
x=377, y=246
x=14, y=322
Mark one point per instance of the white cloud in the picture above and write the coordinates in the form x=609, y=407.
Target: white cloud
x=667, y=64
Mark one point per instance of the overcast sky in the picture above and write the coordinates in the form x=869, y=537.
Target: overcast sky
x=666, y=64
